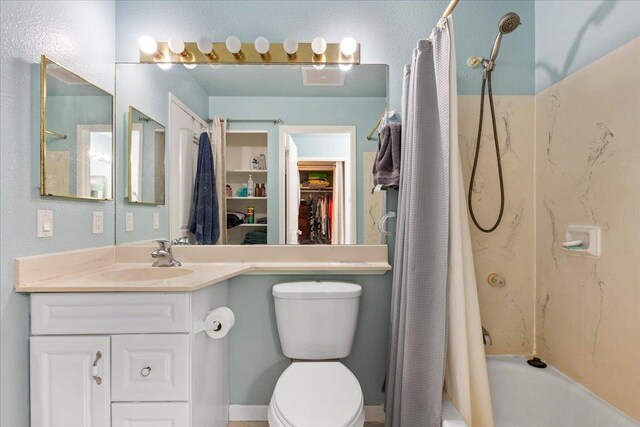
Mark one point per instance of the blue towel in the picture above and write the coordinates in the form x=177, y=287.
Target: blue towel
x=204, y=220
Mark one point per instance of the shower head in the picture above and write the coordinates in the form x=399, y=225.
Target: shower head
x=508, y=24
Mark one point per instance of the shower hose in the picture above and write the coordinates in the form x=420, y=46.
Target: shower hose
x=486, y=81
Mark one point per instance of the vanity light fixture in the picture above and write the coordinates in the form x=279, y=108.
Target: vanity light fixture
x=234, y=45
x=290, y=46
x=262, y=47
x=177, y=46
x=319, y=46
x=149, y=46
x=206, y=47
x=318, y=53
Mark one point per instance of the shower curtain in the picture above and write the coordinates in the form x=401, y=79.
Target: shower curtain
x=218, y=131
x=435, y=321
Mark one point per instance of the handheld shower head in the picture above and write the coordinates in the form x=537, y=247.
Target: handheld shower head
x=508, y=24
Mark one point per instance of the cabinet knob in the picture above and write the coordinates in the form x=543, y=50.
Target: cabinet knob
x=145, y=371
x=94, y=368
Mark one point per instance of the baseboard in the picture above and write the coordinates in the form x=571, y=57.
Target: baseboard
x=372, y=413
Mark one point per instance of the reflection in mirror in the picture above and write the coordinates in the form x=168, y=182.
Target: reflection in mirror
x=146, y=159
x=287, y=146
x=76, y=135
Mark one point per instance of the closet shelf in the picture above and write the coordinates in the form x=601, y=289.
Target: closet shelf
x=316, y=189
x=246, y=171
x=252, y=225
x=246, y=198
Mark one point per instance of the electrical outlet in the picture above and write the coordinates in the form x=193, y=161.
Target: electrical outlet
x=128, y=221
x=156, y=220
x=45, y=223
x=98, y=222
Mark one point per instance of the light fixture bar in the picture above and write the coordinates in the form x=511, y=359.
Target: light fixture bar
x=250, y=55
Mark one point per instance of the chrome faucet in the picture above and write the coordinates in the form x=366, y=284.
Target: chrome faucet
x=164, y=255
x=486, y=337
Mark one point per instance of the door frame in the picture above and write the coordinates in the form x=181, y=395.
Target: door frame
x=350, y=175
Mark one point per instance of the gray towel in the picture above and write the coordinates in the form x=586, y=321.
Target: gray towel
x=386, y=166
x=205, y=220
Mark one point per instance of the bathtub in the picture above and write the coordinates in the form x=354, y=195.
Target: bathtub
x=524, y=396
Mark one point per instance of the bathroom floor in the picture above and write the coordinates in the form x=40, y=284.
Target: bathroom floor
x=265, y=424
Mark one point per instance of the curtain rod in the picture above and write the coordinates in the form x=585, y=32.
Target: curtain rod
x=273, y=121
x=450, y=8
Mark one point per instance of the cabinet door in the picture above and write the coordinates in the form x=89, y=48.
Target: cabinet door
x=70, y=381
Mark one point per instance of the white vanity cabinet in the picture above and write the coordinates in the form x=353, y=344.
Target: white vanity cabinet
x=127, y=359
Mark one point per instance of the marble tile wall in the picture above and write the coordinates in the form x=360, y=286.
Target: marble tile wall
x=588, y=172
x=506, y=312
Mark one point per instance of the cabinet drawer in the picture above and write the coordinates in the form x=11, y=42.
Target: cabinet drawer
x=110, y=313
x=150, y=367
x=165, y=414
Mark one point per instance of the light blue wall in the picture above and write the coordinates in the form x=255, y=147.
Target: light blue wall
x=361, y=112
x=78, y=35
x=387, y=30
x=147, y=88
x=256, y=359
x=573, y=33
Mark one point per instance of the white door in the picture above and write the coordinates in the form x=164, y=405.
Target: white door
x=292, y=182
x=70, y=381
x=184, y=154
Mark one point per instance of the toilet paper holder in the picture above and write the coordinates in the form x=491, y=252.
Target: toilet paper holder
x=217, y=323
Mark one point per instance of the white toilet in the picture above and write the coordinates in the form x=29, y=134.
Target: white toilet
x=317, y=324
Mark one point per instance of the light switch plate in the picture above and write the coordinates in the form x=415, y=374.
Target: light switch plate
x=45, y=223
x=98, y=222
x=128, y=226
x=156, y=220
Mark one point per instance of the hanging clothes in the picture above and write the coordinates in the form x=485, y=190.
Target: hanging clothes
x=204, y=220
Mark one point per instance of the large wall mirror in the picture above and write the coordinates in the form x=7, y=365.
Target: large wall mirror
x=146, y=159
x=286, y=148
x=76, y=136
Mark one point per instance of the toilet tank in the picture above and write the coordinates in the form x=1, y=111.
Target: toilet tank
x=316, y=320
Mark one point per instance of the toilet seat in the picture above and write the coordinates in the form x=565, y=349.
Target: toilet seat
x=317, y=394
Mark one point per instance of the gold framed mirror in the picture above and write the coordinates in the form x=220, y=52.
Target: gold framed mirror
x=146, y=173
x=76, y=136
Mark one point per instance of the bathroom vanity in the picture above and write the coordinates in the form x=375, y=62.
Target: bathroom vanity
x=116, y=342
x=122, y=359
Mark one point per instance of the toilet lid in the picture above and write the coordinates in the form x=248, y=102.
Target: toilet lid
x=318, y=394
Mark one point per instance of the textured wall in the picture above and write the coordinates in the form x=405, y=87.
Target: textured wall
x=79, y=35
x=588, y=152
x=509, y=251
x=388, y=31
x=573, y=33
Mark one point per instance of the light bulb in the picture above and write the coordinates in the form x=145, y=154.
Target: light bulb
x=348, y=46
x=345, y=67
x=148, y=45
x=319, y=46
x=176, y=45
x=164, y=65
x=204, y=45
x=262, y=45
x=290, y=46
x=233, y=44
x=190, y=66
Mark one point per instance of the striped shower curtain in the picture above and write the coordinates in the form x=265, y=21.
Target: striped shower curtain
x=435, y=318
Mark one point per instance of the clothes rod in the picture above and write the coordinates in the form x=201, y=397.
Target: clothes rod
x=450, y=8
x=272, y=121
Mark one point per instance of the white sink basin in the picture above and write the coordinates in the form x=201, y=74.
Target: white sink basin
x=141, y=274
